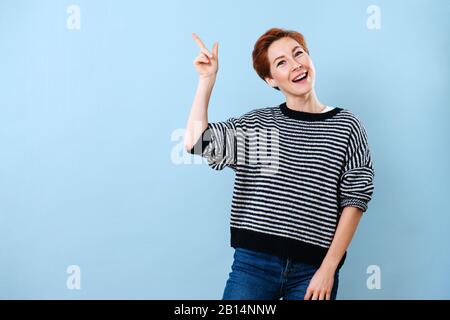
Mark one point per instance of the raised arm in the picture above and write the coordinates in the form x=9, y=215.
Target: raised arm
x=207, y=65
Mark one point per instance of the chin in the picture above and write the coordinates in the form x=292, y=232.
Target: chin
x=302, y=91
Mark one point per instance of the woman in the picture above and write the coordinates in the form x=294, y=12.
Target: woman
x=304, y=175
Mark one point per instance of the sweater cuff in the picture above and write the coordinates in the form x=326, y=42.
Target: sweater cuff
x=349, y=202
x=202, y=142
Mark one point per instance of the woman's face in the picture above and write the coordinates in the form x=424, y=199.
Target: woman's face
x=294, y=61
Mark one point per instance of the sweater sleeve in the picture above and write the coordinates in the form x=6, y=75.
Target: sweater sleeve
x=356, y=182
x=218, y=144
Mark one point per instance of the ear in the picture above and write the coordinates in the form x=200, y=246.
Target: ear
x=271, y=82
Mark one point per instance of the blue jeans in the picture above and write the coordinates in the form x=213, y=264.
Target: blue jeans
x=260, y=276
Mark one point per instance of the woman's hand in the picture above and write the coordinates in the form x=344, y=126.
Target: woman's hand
x=320, y=285
x=206, y=63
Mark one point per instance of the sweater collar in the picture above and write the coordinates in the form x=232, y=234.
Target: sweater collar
x=307, y=116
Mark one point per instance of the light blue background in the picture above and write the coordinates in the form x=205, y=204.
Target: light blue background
x=87, y=175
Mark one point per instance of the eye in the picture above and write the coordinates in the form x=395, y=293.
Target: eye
x=295, y=55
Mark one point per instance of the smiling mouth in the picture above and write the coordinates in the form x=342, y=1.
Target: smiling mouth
x=300, y=78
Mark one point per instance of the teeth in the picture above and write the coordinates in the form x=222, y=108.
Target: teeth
x=300, y=76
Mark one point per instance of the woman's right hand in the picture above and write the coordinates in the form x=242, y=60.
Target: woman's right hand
x=206, y=63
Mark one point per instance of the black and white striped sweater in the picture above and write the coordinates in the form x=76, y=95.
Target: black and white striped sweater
x=295, y=172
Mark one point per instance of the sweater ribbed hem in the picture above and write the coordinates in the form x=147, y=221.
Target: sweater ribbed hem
x=361, y=204
x=280, y=246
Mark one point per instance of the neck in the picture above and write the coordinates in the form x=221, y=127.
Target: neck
x=305, y=103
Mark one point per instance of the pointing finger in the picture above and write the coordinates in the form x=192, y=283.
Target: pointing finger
x=201, y=44
x=199, y=41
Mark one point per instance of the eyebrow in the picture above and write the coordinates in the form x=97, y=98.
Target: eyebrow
x=283, y=55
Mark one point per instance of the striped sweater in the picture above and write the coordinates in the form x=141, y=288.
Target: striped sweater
x=294, y=173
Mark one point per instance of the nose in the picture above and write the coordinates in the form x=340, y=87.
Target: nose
x=296, y=66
